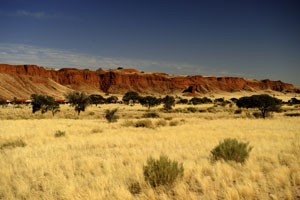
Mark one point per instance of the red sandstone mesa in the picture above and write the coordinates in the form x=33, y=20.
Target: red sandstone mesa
x=121, y=81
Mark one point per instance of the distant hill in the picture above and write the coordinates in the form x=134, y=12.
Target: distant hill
x=23, y=80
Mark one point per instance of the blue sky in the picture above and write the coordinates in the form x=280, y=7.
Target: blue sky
x=244, y=38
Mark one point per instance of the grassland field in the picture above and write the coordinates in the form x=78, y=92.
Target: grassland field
x=95, y=159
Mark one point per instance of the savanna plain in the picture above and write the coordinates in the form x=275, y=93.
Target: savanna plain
x=84, y=157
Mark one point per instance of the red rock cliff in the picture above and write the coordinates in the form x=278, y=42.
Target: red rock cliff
x=121, y=81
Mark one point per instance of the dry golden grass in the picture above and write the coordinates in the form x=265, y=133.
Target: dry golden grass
x=100, y=160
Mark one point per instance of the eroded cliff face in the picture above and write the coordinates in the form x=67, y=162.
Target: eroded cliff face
x=121, y=81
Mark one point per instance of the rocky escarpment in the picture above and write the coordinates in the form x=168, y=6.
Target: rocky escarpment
x=121, y=81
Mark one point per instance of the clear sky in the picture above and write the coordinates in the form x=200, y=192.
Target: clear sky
x=246, y=38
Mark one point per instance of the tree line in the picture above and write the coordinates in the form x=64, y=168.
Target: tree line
x=80, y=100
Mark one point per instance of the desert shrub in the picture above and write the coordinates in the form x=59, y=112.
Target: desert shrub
x=211, y=110
x=92, y=113
x=151, y=115
x=128, y=123
x=257, y=114
x=231, y=149
x=110, y=115
x=293, y=101
x=173, y=123
x=292, y=114
x=192, y=109
x=96, y=130
x=161, y=123
x=168, y=118
x=59, y=133
x=219, y=100
x=13, y=144
x=162, y=172
x=202, y=110
x=134, y=188
x=239, y=111
x=146, y=123
x=182, y=101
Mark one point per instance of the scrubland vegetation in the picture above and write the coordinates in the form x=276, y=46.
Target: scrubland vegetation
x=204, y=150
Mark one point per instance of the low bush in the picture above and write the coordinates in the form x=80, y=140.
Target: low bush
x=257, y=115
x=231, y=149
x=13, y=144
x=161, y=123
x=60, y=133
x=134, y=188
x=292, y=114
x=162, y=172
x=239, y=111
x=92, y=113
x=144, y=123
x=173, y=123
x=168, y=118
x=150, y=115
x=96, y=130
x=110, y=115
x=191, y=109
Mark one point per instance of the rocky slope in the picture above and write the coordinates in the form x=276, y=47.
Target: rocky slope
x=23, y=80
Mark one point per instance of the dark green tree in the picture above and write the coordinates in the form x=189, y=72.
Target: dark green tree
x=182, y=101
x=78, y=100
x=111, y=99
x=149, y=101
x=195, y=101
x=263, y=102
x=44, y=103
x=131, y=97
x=96, y=99
x=169, y=102
x=293, y=101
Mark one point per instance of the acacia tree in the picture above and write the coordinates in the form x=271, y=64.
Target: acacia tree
x=264, y=103
x=44, y=103
x=131, y=97
x=149, y=101
x=78, y=100
x=169, y=102
x=96, y=99
x=195, y=101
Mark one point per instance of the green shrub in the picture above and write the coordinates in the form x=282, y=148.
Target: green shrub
x=192, y=109
x=13, y=144
x=161, y=123
x=151, y=115
x=162, y=172
x=257, y=114
x=173, y=123
x=144, y=123
x=231, y=149
x=128, y=123
x=92, y=113
x=168, y=118
x=292, y=114
x=239, y=111
x=110, y=115
x=96, y=130
x=59, y=133
x=134, y=188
